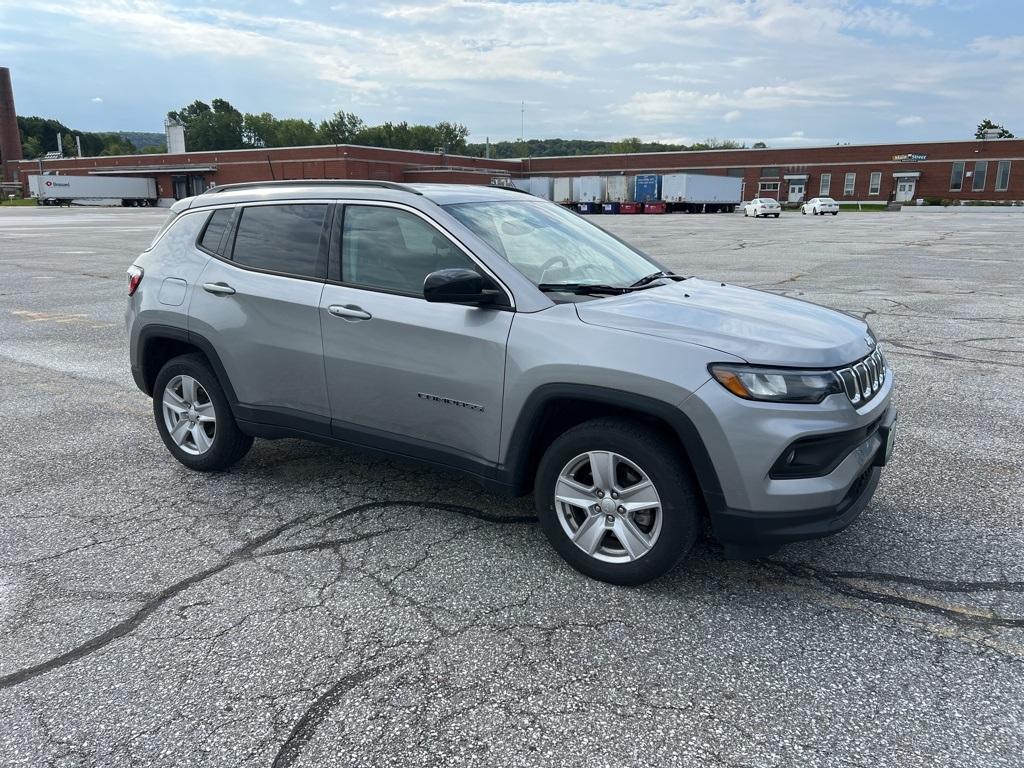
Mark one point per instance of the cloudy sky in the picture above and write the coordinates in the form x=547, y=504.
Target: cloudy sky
x=784, y=71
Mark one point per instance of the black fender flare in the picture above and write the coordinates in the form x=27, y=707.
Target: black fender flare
x=157, y=332
x=518, y=463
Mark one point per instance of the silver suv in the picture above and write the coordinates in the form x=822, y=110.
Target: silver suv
x=486, y=331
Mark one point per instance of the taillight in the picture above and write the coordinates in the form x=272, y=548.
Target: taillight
x=134, y=278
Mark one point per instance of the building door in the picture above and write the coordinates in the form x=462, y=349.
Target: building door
x=180, y=186
x=796, y=191
x=905, y=190
x=198, y=183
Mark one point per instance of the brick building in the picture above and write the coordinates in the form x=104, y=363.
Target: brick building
x=991, y=170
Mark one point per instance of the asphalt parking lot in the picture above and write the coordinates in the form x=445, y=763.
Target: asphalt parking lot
x=315, y=607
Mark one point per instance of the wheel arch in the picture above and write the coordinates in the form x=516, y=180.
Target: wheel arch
x=159, y=343
x=553, y=408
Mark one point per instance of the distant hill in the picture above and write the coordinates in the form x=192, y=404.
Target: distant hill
x=141, y=139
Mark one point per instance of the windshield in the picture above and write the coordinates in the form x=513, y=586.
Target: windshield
x=551, y=245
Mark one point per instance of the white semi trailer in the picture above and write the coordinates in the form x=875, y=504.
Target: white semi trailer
x=701, y=192
x=587, y=189
x=562, y=190
x=64, y=190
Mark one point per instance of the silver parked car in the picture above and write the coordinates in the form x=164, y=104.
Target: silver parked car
x=487, y=331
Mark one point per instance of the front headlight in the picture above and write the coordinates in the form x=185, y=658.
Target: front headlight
x=778, y=385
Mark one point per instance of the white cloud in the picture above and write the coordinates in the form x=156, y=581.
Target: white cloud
x=96, y=99
x=797, y=134
x=1004, y=47
x=590, y=68
x=910, y=120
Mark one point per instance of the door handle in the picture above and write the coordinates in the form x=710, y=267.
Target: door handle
x=349, y=312
x=220, y=289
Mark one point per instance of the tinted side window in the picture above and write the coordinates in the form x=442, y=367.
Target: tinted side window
x=393, y=250
x=282, y=238
x=215, y=229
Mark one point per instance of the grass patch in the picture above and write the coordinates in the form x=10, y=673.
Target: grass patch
x=5, y=203
x=861, y=208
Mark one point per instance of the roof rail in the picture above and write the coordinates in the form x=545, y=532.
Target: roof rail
x=312, y=182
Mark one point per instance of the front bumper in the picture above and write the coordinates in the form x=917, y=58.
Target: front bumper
x=750, y=535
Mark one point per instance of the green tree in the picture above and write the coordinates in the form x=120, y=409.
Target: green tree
x=759, y=145
x=627, y=146
x=341, y=128
x=31, y=148
x=451, y=136
x=217, y=125
x=988, y=125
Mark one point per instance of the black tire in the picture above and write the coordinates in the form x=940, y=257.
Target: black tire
x=834, y=213
x=229, y=443
x=777, y=215
x=659, y=458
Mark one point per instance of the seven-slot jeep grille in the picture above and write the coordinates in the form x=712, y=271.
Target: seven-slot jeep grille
x=863, y=380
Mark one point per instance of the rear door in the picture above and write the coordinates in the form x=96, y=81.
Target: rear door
x=403, y=373
x=258, y=302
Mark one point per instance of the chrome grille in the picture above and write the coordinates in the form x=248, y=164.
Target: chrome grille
x=864, y=379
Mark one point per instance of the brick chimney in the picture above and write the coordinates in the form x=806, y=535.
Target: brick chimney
x=10, y=139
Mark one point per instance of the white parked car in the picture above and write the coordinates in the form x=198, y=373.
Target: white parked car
x=762, y=206
x=820, y=206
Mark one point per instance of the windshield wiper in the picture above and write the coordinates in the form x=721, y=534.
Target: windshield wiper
x=656, y=276
x=583, y=289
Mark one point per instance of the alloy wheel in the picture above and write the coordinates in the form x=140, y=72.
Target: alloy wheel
x=189, y=415
x=608, y=506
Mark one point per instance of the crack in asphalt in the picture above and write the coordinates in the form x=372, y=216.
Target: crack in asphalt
x=244, y=553
x=839, y=581
x=307, y=725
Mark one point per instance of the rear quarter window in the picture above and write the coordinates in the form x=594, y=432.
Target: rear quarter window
x=213, y=238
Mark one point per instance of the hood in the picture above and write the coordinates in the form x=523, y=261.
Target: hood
x=761, y=328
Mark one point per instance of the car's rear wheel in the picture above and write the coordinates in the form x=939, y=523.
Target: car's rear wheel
x=776, y=215
x=616, y=501
x=194, y=418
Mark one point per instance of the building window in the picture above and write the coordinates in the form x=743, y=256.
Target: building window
x=736, y=172
x=1003, y=176
x=980, y=176
x=876, y=183
x=768, y=186
x=769, y=173
x=956, y=178
x=826, y=185
x=850, y=184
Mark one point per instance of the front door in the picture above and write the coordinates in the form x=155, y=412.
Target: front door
x=402, y=373
x=905, y=190
x=796, y=191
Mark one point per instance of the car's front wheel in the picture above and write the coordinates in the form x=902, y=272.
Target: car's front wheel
x=616, y=501
x=194, y=418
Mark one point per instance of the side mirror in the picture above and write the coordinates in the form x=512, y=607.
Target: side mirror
x=459, y=286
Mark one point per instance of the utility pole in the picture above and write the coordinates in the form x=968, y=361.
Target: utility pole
x=522, y=122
